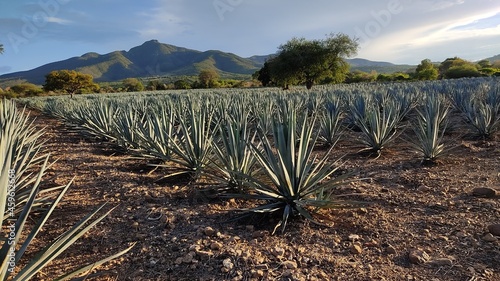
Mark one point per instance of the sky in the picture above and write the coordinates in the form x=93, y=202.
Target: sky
x=37, y=32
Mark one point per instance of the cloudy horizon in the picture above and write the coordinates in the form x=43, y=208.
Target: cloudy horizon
x=35, y=33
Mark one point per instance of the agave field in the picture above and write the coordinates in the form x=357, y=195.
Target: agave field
x=278, y=162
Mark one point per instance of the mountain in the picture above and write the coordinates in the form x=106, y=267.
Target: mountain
x=155, y=59
x=149, y=59
x=494, y=58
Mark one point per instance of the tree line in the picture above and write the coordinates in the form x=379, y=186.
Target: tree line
x=297, y=62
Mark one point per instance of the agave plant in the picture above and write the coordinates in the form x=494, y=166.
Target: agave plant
x=483, y=113
x=379, y=123
x=234, y=160
x=294, y=181
x=430, y=127
x=18, y=236
x=194, y=144
x=330, y=122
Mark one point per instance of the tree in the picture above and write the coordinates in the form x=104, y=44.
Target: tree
x=1, y=48
x=208, y=78
x=133, y=85
x=426, y=70
x=303, y=61
x=69, y=81
x=485, y=64
x=458, y=68
x=181, y=85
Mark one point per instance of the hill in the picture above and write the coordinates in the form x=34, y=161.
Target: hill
x=494, y=58
x=155, y=59
x=147, y=60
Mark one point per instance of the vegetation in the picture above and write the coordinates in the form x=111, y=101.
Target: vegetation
x=426, y=70
x=1, y=49
x=23, y=166
x=258, y=144
x=208, y=78
x=69, y=81
x=301, y=61
x=132, y=85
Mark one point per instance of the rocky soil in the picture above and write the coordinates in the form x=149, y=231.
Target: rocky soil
x=423, y=222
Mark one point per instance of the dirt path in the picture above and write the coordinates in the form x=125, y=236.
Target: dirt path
x=180, y=236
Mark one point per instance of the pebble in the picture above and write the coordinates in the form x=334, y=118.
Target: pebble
x=356, y=249
x=391, y=250
x=418, y=256
x=227, y=265
x=484, y=192
x=489, y=238
x=494, y=229
x=209, y=231
x=216, y=246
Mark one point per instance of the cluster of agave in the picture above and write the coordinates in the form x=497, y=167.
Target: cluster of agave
x=258, y=144
x=23, y=164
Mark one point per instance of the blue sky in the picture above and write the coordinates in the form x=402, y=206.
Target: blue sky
x=401, y=31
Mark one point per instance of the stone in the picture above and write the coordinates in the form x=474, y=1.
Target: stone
x=356, y=249
x=484, y=192
x=418, y=257
x=494, y=229
x=490, y=238
x=391, y=250
x=216, y=246
x=209, y=231
x=227, y=265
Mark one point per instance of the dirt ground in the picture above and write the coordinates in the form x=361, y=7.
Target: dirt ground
x=423, y=222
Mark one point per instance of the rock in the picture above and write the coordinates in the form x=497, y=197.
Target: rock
x=209, y=231
x=356, y=249
x=489, y=238
x=216, y=246
x=290, y=265
x=391, y=250
x=227, y=265
x=418, y=256
x=484, y=192
x=494, y=229
x=257, y=273
x=441, y=262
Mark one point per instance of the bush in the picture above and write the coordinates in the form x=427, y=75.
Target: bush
x=26, y=89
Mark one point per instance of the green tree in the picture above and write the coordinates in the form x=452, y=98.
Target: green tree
x=133, y=85
x=304, y=61
x=181, y=85
x=426, y=70
x=70, y=81
x=485, y=64
x=209, y=78
x=26, y=89
x=458, y=68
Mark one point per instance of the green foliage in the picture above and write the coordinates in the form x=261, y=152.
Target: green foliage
x=21, y=195
x=133, y=85
x=358, y=76
x=431, y=123
x=303, y=61
x=453, y=68
x=426, y=70
x=182, y=85
x=294, y=182
x=208, y=78
x=69, y=81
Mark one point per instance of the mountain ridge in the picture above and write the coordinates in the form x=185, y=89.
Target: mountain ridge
x=155, y=59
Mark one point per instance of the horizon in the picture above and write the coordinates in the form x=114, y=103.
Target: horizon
x=395, y=31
